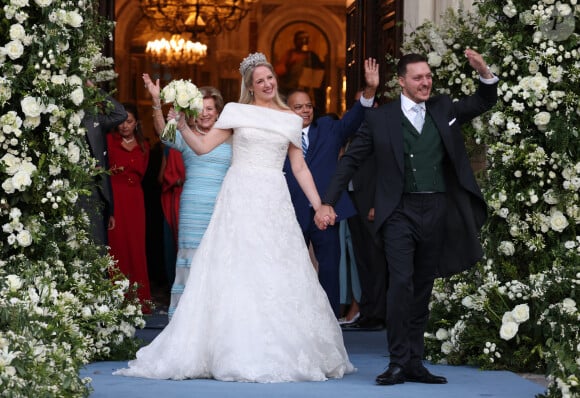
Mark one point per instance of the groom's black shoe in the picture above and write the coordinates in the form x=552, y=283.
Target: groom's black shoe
x=393, y=375
x=420, y=374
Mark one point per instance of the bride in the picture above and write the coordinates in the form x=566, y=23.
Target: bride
x=253, y=309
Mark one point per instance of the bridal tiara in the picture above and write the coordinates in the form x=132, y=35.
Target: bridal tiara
x=251, y=61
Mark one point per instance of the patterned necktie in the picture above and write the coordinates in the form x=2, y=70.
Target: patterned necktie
x=418, y=120
x=304, y=144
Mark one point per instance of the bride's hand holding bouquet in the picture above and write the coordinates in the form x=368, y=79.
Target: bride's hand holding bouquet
x=185, y=97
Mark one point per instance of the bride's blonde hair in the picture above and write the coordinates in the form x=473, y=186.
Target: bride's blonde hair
x=247, y=67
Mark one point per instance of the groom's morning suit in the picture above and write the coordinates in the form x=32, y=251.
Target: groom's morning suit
x=432, y=171
x=326, y=136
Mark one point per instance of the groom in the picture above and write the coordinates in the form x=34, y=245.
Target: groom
x=428, y=207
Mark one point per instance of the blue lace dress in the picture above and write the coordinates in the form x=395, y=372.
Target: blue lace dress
x=203, y=179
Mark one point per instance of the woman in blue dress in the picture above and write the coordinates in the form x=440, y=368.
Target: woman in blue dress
x=203, y=178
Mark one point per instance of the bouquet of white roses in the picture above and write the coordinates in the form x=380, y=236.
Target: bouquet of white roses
x=186, y=98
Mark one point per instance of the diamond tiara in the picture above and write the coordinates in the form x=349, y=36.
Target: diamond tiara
x=251, y=61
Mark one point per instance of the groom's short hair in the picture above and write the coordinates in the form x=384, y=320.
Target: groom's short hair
x=407, y=59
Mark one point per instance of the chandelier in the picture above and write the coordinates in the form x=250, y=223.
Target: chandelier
x=210, y=17
x=176, y=51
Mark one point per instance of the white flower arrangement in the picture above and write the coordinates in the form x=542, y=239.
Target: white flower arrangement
x=186, y=98
x=47, y=282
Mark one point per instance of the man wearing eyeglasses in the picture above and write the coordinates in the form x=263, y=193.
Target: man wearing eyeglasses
x=322, y=140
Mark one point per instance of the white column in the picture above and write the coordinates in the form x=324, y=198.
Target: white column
x=416, y=12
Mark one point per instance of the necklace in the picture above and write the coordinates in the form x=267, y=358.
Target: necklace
x=128, y=141
x=200, y=131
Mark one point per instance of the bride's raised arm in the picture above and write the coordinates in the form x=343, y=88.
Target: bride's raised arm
x=201, y=144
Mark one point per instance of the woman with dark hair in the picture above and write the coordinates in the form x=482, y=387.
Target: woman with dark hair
x=128, y=158
x=203, y=178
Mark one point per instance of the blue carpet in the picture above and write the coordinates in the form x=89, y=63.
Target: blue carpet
x=367, y=352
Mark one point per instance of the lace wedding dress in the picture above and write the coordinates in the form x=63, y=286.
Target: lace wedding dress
x=253, y=309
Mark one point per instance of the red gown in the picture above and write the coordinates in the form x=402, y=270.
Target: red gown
x=127, y=239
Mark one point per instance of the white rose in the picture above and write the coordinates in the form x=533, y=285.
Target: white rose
x=197, y=102
x=15, y=213
x=467, y=302
x=73, y=19
x=32, y=122
x=7, y=186
x=77, y=96
x=569, y=244
x=514, y=230
x=74, y=80
x=11, y=239
x=182, y=99
x=569, y=305
x=446, y=347
x=506, y=248
x=14, y=282
x=558, y=221
x=11, y=162
x=563, y=9
x=510, y=10
x=521, y=313
x=21, y=180
x=31, y=106
x=508, y=317
x=168, y=94
x=14, y=49
x=542, y=119
x=74, y=153
x=442, y=334
x=58, y=79
x=17, y=32
x=24, y=238
x=508, y=330
x=434, y=59
x=43, y=3
x=28, y=167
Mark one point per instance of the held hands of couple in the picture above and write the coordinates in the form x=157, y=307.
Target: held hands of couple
x=324, y=217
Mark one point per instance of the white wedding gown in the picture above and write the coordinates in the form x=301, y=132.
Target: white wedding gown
x=253, y=309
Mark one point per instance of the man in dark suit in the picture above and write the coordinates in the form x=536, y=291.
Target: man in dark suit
x=370, y=259
x=428, y=207
x=322, y=141
x=99, y=204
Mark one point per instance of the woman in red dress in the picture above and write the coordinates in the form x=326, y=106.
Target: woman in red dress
x=128, y=157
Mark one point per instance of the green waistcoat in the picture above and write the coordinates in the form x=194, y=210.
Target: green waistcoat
x=424, y=154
